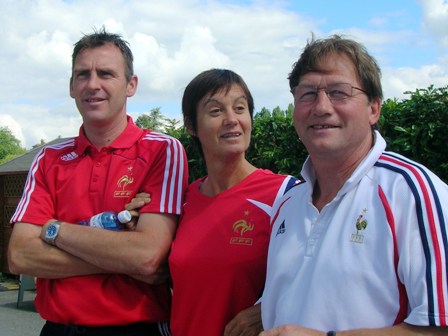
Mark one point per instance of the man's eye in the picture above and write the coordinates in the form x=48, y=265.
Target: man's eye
x=308, y=95
x=81, y=75
x=105, y=74
x=338, y=94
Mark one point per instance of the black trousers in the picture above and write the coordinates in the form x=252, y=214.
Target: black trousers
x=136, y=329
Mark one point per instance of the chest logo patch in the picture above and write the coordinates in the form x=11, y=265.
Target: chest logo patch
x=241, y=227
x=361, y=224
x=122, y=185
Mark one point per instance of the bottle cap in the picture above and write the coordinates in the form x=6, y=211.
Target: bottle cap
x=124, y=216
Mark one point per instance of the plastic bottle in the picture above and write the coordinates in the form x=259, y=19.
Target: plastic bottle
x=108, y=220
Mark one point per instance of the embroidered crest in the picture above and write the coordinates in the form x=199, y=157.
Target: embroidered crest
x=241, y=227
x=361, y=224
x=122, y=183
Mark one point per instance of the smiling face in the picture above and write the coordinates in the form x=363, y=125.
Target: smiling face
x=99, y=85
x=338, y=130
x=224, y=124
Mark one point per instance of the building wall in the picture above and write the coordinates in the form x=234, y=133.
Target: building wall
x=11, y=188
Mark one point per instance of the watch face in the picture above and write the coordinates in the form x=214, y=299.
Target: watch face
x=52, y=230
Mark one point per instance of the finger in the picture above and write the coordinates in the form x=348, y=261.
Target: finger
x=134, y=213
x=130, y=226
x=135, y=204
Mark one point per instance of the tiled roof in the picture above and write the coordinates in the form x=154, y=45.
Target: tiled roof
x=22, y=163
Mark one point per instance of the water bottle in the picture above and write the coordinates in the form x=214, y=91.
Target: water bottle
x=108, y=220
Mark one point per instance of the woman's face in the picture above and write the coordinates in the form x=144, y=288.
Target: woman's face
x=224, y=123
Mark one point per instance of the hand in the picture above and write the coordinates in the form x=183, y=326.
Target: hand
x=246, y=323
x=291, y=330
x=137, y=202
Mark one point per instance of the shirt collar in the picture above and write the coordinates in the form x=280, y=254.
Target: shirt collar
x=125, y=140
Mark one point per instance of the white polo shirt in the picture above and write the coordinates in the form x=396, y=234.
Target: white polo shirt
x=375, y=256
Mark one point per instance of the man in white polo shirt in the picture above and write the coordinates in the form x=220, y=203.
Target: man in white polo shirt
x=360, y=247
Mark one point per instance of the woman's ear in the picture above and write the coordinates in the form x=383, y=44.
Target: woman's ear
x=190, y=131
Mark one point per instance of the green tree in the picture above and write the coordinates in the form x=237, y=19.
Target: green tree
x=196, y=164
x=416, y=127
x=275, y=145
x=155, y=120
x=10, y=146
x=171, y=125
x=413, y=127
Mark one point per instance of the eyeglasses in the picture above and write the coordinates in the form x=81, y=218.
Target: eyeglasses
x=337, y=92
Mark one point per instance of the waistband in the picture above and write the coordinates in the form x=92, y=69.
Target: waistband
x=149, y=329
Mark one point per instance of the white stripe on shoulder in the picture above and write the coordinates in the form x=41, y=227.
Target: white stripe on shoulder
x=174, y=167
x=31, y=180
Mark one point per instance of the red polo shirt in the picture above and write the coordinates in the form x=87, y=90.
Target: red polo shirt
x=72, y=181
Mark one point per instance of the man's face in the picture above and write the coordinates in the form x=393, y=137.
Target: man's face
x=336, y=129
x=99, y=85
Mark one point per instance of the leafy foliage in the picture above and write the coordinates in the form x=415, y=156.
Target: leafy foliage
x=275, y=145
x=155, y=120
x=416, y=127
x=196, y=165
x=10, y=146
x=413, y=127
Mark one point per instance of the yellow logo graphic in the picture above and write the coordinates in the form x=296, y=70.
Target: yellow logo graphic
x=241, y=227
x=122, y=183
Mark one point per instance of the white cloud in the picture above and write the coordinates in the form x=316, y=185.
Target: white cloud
x=435, y=19
x=173, y=41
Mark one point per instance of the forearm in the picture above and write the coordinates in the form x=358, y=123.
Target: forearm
x=138, y=252
x=28, y=254
x=402, y=329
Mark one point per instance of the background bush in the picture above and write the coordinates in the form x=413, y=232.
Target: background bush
x=415, y=127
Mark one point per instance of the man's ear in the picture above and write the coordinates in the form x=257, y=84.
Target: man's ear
x=132, y=86
x=71, y=87
x=375, y=106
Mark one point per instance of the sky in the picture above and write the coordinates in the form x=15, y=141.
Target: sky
x=173, y=41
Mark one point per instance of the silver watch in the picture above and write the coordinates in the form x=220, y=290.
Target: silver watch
x=51, y=233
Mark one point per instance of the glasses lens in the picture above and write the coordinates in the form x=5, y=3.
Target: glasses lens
x=339, y=91
x=305, y=93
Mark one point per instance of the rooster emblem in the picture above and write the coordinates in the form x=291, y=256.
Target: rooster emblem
x=124, y=181
x=242, y=226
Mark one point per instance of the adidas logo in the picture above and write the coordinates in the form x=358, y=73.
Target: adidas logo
x=281, y=229
x=69, y=156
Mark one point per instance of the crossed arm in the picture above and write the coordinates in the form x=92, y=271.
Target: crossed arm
x=81, y=250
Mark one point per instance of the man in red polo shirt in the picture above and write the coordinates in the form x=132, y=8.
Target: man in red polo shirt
x=93, y=281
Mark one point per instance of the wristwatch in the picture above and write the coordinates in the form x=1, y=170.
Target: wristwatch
x=51, y=233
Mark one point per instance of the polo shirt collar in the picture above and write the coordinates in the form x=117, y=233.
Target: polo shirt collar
x=126, y=139
x=309, y=174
